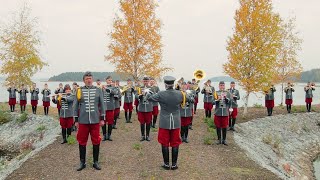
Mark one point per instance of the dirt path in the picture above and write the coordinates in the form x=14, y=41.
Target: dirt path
x=122, y=159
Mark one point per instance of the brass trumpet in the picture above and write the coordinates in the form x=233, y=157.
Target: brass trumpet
x=199, y=74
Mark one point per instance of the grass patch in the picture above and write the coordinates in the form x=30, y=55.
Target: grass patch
x=154, y=130
x=41, y=128
x=23, y=117
x=71, y=140
x=208, y=140
x=137, y=146
x=4, y=117
x=256, y=105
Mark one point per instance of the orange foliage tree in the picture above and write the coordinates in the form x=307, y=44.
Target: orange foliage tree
x=253, y=47
x=19, y=48
x=135, y=47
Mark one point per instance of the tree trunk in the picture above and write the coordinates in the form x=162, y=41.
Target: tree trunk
x=246, y=102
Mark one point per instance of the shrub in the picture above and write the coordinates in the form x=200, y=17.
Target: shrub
x=4, y=117
x=137, y=146
x=23, y=117
x=71, y=140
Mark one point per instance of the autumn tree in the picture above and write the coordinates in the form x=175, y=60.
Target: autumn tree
x=289, y=68
x=135, y=47
x=253, y=47
x=19, y=48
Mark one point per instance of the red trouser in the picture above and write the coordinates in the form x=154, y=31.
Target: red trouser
x=84, y=131
x=208, y=106
x=109, y=117
x=12, y=101
x=269, y=103
x=23, y=102
x=221, y=121
x=234, y=113
x=289, y=101
x=116, y=112
x=46, y=103
x=66, y=122
x=186, y=121
x=128, y=107
x=167, y=137
x=155, y=111
x=145, y=117
x=34, y=102
x=308, y=100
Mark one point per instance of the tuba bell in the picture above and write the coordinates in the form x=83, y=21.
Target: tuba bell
x=199, y=74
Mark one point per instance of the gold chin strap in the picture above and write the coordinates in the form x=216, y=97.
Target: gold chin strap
x=79, y=94
x=183, y=99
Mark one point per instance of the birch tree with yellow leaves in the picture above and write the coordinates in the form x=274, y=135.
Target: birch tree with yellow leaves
x=289, y=68
x=135, y=47
x=19, y=48
x=253, y=47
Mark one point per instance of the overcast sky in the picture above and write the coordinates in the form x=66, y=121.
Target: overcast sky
x=194, y=32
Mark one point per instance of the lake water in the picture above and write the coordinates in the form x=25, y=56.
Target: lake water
x=299, y=94
x=316, y=165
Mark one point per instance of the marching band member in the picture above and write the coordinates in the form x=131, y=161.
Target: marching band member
x=108, y=95
x=98, y=82
x=74, y=91
x=186, y=114
x=196, y=98
x=289, y=90
x=46, y=99
x=87, y=101
x=170, y=122
x=117, y=104
x=34, y=91
x=66, y=113
x=23, y=98
x=221, y=114
x=179, y=84
x=144, y=109
x=269, y=100
x=57, y=91
x=136, y=101
x=128, y=100
x=309, y=95
x=235, y=96
x=117, y=84
x=208, y=99
x=155, y=89
x=12, y=96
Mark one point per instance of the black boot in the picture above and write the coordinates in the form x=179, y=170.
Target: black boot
x=148, y=126
x=126, y=116
x=309, y=108
x=142, y=128
x=24, y=108
x=206, y=113
x=45, y=110
x=190, y=126
x=82, y=150
x=109, y=132
x=224, y=136
x=68, y=132
x=130, y=114
x=209, y=113
x=32, y=107
x=269, y=113
x=13, y=108
x=182, y=133
x=104, y=132
x=114, y=126
x=289, y=108
x=21, y=109
x=219, y=135
x=195, y=108
x=230, y=123
x=96, y=157
x=175, y=152
x=165, y=155
x=186, y=132
x=154, y=121
x=233, y=123
x=35, y=110
x=64, y=135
